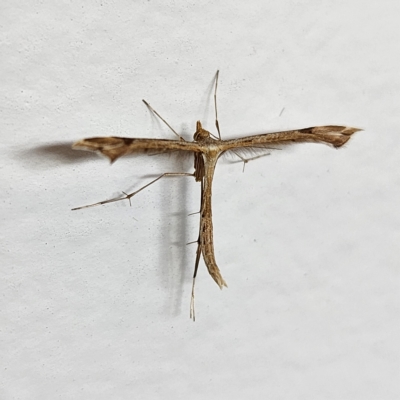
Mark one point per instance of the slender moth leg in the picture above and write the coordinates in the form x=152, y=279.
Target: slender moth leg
x=128, y=196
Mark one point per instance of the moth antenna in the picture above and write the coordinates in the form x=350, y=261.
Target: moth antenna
x=215, y=104
x=162, y=119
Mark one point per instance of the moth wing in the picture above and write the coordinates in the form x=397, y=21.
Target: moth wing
x=114, y=147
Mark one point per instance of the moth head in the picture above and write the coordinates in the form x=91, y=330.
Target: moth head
x=200, y=133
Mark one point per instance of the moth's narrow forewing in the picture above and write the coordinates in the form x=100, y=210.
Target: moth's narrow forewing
x=334, y=135
x=115, y=147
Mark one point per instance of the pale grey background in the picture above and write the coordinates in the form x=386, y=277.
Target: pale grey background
x=95, y=303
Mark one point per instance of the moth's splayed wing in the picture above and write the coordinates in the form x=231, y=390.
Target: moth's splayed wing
x=115, y=147
x=331, y=134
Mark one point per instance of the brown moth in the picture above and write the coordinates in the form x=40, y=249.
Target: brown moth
x=207, y=149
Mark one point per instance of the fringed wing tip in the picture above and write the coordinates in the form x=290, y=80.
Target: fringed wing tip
x=346, y=133
x=108, y=147
x=219, y=281
x=335, y=135
x=349, y=131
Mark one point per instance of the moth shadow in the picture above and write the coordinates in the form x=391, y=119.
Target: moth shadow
x=206, y=101
x=174, y=213
x=53, y=155
x=174, y=255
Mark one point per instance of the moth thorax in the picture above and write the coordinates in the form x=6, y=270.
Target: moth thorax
x=200, y=133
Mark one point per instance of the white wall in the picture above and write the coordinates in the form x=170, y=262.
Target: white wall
x=95, y=303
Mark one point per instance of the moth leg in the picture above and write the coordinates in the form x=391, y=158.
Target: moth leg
x=196, y=267
x=128, y=196
x=246, y=160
